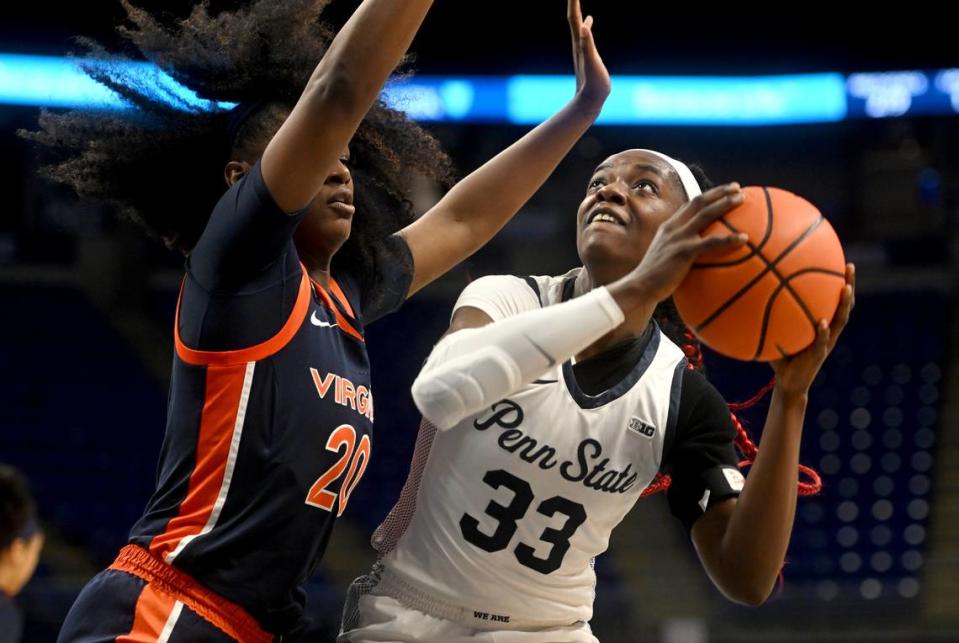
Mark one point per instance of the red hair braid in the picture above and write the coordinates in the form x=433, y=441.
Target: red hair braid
x=747, y=448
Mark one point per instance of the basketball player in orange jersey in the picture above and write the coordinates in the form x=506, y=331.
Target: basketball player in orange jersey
x=270, y=416
x=554, y=402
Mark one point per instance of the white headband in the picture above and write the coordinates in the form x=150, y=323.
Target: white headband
x=690, y=184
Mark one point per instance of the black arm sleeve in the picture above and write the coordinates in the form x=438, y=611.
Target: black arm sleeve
x=244, y=274
x=701, y=457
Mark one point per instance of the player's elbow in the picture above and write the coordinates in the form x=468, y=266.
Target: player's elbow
x=750, y=599
x=750, y=593
x=438, y=402
x=335, y=89
x=449, y=390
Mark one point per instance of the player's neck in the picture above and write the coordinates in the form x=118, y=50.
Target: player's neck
x=318, y=268
x=631, y=328
x=596, y=277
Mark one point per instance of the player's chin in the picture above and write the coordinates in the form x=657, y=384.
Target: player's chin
x=338, y=229
x=606, y=246
x=324, y=234
x=604, y=256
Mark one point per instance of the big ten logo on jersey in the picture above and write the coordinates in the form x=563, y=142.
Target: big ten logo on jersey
x=345, y=393
x=643, y=428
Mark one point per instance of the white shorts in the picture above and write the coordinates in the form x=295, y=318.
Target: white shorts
x=381, y=618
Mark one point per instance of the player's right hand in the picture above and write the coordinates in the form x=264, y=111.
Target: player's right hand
x=678, y=242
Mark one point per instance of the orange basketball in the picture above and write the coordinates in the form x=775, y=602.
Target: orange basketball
x=763, y=300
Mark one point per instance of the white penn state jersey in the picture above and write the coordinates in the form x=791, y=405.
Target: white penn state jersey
x=514, y=503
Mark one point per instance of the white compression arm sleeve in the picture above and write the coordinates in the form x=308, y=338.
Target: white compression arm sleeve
x=471, y=369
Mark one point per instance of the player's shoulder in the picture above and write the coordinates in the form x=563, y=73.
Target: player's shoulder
x=499, y=296
x=553, y=289
x=669, y=349
x=511, y=284
x=547, y=290
x=698, y=390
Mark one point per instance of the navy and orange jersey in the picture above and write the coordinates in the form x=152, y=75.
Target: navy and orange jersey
x=264, y=443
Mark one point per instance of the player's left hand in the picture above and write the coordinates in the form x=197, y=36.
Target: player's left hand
x=593, y=84
x=794, y=375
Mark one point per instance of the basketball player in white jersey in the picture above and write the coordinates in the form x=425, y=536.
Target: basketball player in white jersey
x=549, y=407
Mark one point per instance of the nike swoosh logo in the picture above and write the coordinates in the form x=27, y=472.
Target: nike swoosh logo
x=320, y=323
x=549, y=358
x=545, y=381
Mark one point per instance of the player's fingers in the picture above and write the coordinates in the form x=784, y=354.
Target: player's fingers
x=720, y=242
x=715, y=210
x=704, y=200
x=575, y=15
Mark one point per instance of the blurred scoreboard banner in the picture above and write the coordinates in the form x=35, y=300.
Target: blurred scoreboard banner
x=529, y=99
x=903, y=93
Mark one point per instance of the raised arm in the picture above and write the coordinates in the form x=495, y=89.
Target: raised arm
x=481, y=204
x=742, y=542
x=337, y=97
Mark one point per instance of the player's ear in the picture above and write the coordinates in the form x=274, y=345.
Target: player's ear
x=234, y=171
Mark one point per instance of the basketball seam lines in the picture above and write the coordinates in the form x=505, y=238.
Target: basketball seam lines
x=754, y=251
x=784, y=285
x=770, y=267
x=784, y=282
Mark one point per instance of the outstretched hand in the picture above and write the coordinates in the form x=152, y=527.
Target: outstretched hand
x=592, y=79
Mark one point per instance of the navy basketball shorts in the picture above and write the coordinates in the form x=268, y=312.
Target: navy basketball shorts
x=140, y=599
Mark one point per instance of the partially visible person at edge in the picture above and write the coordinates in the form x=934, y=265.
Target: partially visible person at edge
x=20, y=543
x=270, y=416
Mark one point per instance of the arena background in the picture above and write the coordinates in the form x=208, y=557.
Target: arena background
x=87, y=312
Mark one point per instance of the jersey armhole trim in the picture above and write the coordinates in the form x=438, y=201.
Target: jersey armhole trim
x=534, y=286
x=341, y=320
x=341, y=297
x=253, y=353
x=675, y=395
